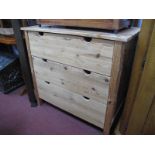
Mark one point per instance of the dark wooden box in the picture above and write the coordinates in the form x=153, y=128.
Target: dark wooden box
x=109, y=24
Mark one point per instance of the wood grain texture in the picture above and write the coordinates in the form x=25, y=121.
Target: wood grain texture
x=77, y=105
x=146, y=91
x=141, y=49
x=124, y=35
x=110, y=24
x=94, y=56
x=74, y=79
x=32, y=69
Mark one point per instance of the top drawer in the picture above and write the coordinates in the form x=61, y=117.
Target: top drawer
x=82, y=52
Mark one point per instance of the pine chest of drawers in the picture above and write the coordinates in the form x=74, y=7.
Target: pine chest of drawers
x=82, y=72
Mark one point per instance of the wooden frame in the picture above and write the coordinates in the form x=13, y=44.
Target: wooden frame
x=140, y=120
x=139, y=60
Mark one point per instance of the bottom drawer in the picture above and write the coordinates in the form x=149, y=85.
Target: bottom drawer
x=81, y=106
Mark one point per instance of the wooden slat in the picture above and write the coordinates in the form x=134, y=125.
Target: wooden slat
x=146, y=91
x=73, y=103
x=31, y=68
x=77, y=80
x=141, y=50
x=124, y=35
x=114, y=84
x=7, y=40
x=75, y=51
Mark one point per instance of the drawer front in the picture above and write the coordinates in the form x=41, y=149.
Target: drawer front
x=80, y=81
x=86, y=53
x=85, y=108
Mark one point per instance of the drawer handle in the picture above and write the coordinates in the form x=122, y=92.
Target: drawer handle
x=87, y=71
x=47, y=82
x=41, y=33
x=88, y=39
x=87, y=98
x=106, y=80
x=45, y=60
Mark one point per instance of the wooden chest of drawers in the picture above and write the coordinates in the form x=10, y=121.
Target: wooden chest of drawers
x=82, y=72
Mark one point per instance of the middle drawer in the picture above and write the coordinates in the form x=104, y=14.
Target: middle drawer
x=77, y=80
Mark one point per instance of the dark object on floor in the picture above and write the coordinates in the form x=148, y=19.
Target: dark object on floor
x=10, y=74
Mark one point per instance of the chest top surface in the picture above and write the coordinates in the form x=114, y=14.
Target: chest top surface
x=123, y=36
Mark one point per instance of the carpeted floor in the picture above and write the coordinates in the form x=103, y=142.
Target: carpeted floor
x=17, y=117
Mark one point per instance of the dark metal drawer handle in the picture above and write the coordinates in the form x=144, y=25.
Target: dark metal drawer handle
x=87, y=98
x=41, y=33
x=45, y=60
x=47, y=82
x=88, y=39
x=87, y=71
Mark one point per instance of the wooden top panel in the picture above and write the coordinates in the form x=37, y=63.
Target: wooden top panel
x=124, y=35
